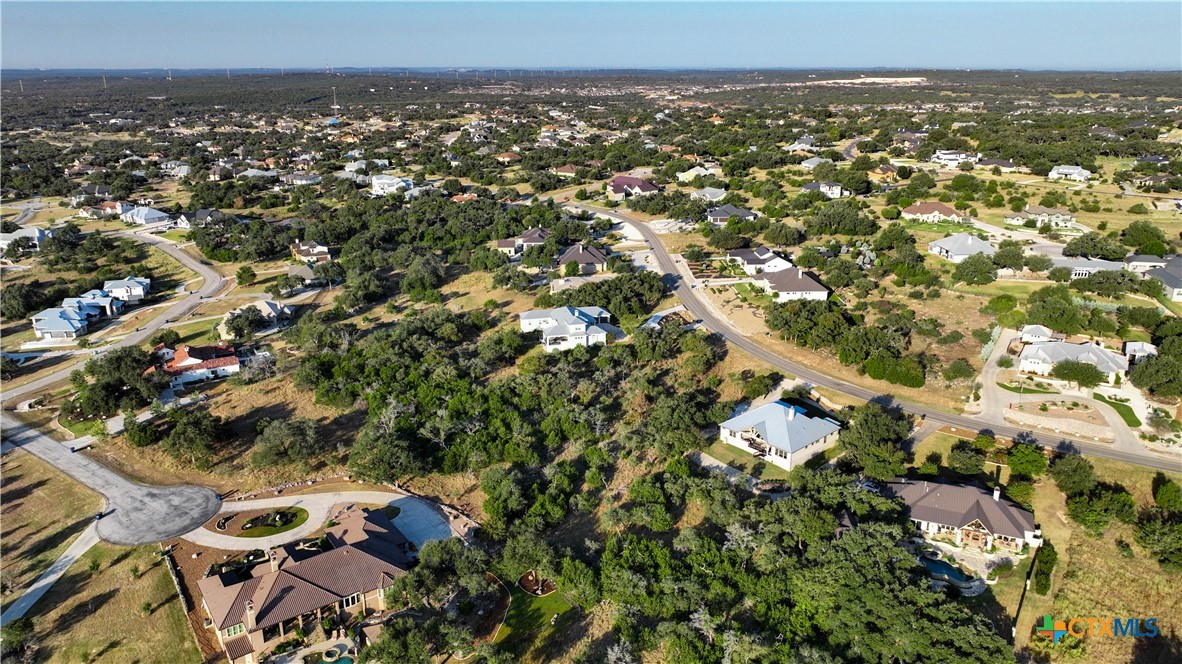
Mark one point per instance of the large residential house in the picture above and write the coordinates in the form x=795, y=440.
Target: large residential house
x=567, y=327
x=1003, y=165
x=792, y=284
x=931, y=212
x=60, y=323
x=708, y=194
x=758, y=260
x=33, y=234
x=960, y=246
x=971, y=516
x=200, y=217
x=1036, y=334
x=274, y=313
x=720, y=215
x=1039, y=216
x=310, y=252
x=698, y=172
x=1041, y=358
x=1142, y=263
x=589, y=259
x=782, y=434
x=1076, y=173
x=253, y=609
x=382, y=185
x=830, y=189
x=142, y=216
x=130, y=289
x=625, y=186
x=1081, y=268
x=514, y=247
x=1170, y=277
x=953, y=158
x=191, y=364
x=813, y=162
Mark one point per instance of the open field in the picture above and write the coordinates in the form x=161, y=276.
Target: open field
x=43, y=512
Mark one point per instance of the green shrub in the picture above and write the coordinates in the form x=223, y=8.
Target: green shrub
x=950, y=338
x=1044, y=565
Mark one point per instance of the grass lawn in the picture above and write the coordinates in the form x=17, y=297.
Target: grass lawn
x=176, y=235
x=529, y=617
x=748, y=293
x=1025, y=390
x=264, y=531
x=79, y=429
x=737, y=458
x=100, y=617
x=44, y=511
x=1123, y=409
x=1019, y=289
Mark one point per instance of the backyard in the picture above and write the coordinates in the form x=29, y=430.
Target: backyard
x=737, y=458
x=529, y=618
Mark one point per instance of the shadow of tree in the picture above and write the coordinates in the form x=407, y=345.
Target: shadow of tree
x=21, y=492
x=1161, y=648
x=54, y=539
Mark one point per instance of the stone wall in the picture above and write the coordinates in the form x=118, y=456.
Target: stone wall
x=1058, y=424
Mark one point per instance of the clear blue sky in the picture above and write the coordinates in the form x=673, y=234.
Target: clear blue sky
x=1054, y=35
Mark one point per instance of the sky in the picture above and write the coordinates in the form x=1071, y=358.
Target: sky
x=657, y=35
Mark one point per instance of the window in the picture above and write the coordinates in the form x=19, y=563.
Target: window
x=235, y=630
x=351, y=600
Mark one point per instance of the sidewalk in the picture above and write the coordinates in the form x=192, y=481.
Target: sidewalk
x=81, y=545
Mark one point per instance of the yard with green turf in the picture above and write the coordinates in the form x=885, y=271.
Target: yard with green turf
x=529, y=618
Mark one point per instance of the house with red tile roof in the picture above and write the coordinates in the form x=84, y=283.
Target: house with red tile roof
x=191, y=364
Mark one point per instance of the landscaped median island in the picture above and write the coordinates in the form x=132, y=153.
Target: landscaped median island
x=1123, y=409
x=260, y=523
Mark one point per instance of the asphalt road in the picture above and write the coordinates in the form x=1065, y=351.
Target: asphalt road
x=848, y=152
x=212, y=284
x=134, y=513
x=702, y=311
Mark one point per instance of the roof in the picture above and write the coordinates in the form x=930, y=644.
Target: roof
x=930, y=207
x=1094, y=264
x=1171, y=274
x=959, y=505
x=783, y=426
x=727, y=211
x=793, y=280
x=1039, y=331
x=754, y=256
x=620, y=183
x=59, y=319
x=239, y=646
x=128, y=282
x=1145, y=258
x=1038, y=209
x=567, y=315
x=1054, y=352
x=583, y=255
x=209, y=357
x=536, y=234
x=964, y=244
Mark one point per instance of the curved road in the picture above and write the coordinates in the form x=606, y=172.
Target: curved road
x=703, y=311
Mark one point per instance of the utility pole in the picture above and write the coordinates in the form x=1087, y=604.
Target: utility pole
x=169, y=73
x=104, y=80
x=23, y=85
x=227, y=73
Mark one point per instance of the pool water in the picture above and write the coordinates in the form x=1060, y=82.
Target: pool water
x=340, y=660
x=944, y=569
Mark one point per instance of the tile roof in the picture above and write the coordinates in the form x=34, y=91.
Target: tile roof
x=930, y=207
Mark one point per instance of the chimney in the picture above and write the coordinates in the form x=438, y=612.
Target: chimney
x=997, y=493
x=792, y=413
x=249, y=615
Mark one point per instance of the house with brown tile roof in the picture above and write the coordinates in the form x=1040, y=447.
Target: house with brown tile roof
x=254, y=609
x=931, y=212
x=967, y=514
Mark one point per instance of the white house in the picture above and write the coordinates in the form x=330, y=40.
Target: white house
x=623, y=186
x=1141, y=263
x=1170, y=277
x=1041, y=358
x=1082, y=268
x=1037, y=334
x=792, y=284
x=567, y=327
x=830, y=189
x=709, y=194
x=34, y=234
x=382, y=185
x=931, y=212
x=779, y=433
x=191, y=364
x=131, y=289
x=1041, y=216
x=144, y=215
x=60, y=323
x=953, y=158
x=100, y=301
x=758, y=260
x=1076, y=173
x=1137, y=352
x=960, y=246
x=813, y=162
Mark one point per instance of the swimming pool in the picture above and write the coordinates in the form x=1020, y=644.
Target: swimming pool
x=943, y=570
x=340, y=660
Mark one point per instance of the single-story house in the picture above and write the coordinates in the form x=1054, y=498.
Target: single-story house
x=381, y=185
x=588, y=258
x=1082, y=268
x=129, y=289
x=781, y=434
x=931, y=212
x=273, y=312
x=1063, y=172
x=708, y=194
x=1137, y=352
x=1170, y=277
x=830, y=189
x=720, y=215
x=1041, y=216
x=1037, y=334
x=1005, y=166
x=623, y=186
x=33, y=234
x=953, y=158
x=1041, y=358
x=813, y=162
x=758, y=260
x=144, y=215
x=792, y=284
x=1141, y=263
x=60, y=323
x=973, y=516
x=698, y=172
x=960, y=246
x=191, y=364
x=567, y=327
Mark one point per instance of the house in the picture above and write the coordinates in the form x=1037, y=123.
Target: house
x=792, y=284
x=1155, y=159
x=175, y=169
x=1137, y=352
x=99, y=300
x=1003, y=165
x=758, y=260
x=779, y=433
x=884, y=172
x=1076, y=173
x=709, y=194
x=1152, y=180
x=191, y=364
x=813, y=162
x=142, y=216
x=1036, y=334
x=588, y=258
x=303, y=271
x=623, y=186
x=33, y=234
x=1037, y=216
x=804, y=142
x=971, y=515
x=59, y=323
x=698, y=172
x=201, y=217
x=960, y=246
x=564, y=171
x=931, y=212
x=300, y=179
x=347, y=577
x=516, y=246
x=720, y=215
x=567, y=327
x=131, y=289
x=310, y=252
x=272, y=174
x=114, y=208
x=830, y=189
x=1082, y=268
x=1170, y=277
x=382, y=185
x=953, y=158
x=1041, y=358
x=507, y=157
x=1140, y=263
x=272, y=312
x=677, y=315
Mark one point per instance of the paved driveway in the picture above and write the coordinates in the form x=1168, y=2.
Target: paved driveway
x=134, y=514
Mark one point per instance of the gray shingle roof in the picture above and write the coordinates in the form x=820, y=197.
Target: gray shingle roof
x=783, y=426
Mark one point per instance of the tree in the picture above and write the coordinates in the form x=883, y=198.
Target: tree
x=113, y=381
x=285, y=441
x=1073, y=474
x=1080, y=373
x=166, y=337
x=1009, y=258
x=571, y=269
x=245, y=275
x=1039, y=263
x=1095, y=245
x=1161, y=375
x=1141, y=233
x=1027, y=460
x=959, y=369
x=784, y=235
x=976, y=270
x=874, y=439
x=966, y=459
x=192, y=436
x=242, y=324
x=1168, y=494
